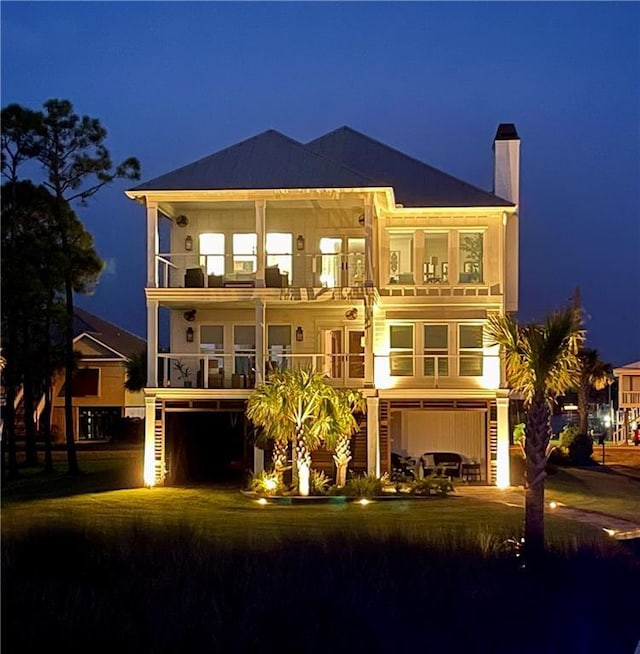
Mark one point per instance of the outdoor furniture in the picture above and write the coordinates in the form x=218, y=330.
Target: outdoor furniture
x=471, y=472
x=273, y=278
x=449, y=463
x=402, y=467
x=194, y=278
x=215, y=281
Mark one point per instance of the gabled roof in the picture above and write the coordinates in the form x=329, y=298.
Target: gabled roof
x=269, y=160
x=343, y=158
x=629, y=367
x=416, y=184
x=105, y=332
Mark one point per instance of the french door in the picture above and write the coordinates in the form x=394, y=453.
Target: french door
x=344, y=349
x=342, y=261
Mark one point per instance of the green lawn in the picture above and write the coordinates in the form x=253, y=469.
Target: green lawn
x=99, y=564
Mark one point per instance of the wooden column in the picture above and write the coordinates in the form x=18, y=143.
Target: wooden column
x=373, y=436
x=152, y=343
x=261, y=236
x=153, y=241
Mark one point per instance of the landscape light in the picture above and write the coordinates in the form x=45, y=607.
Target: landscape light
x=364, y=501
x=553, y=505
x=262, y=501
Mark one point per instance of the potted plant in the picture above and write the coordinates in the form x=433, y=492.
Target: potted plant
x=184, y=373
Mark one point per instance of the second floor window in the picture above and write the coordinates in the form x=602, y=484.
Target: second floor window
x=401, y=350
x=436, y=258
x=436, y=349
x=470, y=350
x=401, y=259
x=280, y=252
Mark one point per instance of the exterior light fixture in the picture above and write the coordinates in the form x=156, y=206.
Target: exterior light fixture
x=189, y=334
x=299, y=334
x=300, y=242
x=188, y=243
x=553, y=505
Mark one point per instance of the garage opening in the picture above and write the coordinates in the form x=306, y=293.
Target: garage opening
x=420, y=431
x=206, y=447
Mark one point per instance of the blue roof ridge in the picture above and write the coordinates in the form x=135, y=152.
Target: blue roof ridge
x=407, y=156
x=111, y=324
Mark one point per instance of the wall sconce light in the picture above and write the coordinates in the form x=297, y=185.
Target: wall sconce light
x=299, y=334
x=300, y=242
x=189, y=334
x=188, y=243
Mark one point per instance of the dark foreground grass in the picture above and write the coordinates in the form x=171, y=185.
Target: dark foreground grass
x=152, y=589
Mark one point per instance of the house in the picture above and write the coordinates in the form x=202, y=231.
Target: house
x=99, y=395
x=628, y=399
x=343, y=254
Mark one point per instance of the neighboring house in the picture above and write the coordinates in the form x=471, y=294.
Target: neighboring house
x=628, y=399
x=99, y=395
x=342, y=254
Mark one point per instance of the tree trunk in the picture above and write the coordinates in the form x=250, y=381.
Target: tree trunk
x=46, y=421
x=72, y=456
x=341, y=458
x=279, y=458
x=583, y=409
x=30, y=451
x=303, y=464
x=538, y=433
x=9, y=430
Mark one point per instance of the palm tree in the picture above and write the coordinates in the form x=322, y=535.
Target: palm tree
x=343, y=403
x=595, y=374
x=541, y=363
x=136, y=371
x=300, y=407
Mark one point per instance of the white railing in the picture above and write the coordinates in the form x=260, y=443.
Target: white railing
x=238, y=369
x=631, y=398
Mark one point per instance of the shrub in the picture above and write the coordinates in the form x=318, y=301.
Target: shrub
x=580, y=450
x=319, y=482
x=266, y=483
x=365, y=485
x=567, y=436
x=432, y=485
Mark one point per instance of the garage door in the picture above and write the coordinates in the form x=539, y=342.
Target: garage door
x=444, y=431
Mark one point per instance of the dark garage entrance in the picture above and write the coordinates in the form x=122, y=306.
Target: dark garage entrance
x=206, y=447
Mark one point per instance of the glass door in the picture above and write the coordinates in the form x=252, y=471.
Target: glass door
x=355, y=262
x=344, y=351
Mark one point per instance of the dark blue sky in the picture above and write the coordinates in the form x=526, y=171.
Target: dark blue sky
x=173, y=82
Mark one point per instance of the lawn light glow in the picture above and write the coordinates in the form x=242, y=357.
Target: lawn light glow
x=270, y=484
x=553, y=505
x=364, y=501
x=611, y=532
x=262, y=501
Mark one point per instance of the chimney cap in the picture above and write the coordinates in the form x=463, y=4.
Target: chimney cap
x=506, y=132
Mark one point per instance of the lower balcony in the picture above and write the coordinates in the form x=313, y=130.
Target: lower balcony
x=222, y=371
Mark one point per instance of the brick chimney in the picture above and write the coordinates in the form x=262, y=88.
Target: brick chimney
x=506, y=154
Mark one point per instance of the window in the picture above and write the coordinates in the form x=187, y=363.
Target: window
x=331, y=249
x=436, y=349
x=244, y=347
x=436, y=258
x=401, y=259
x=85, y=382
x=244, y=253
x=212, y=253
x=278, y=347
x=470, y=350
x=471, y=258
x=279, y=252
x=212, y=342
x=401, y=350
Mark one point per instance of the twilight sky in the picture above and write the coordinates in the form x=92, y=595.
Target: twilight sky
x=175, y=81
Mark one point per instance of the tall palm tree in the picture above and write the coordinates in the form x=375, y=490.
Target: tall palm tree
x=541, y=362
x=595, y=374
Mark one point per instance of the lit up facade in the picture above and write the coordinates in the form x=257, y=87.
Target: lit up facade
x=342, y=254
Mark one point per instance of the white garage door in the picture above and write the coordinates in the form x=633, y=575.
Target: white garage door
x=444, y=431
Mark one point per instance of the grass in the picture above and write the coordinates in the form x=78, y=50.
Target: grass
x=206, y=569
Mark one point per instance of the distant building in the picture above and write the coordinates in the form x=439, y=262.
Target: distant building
x=99, y=395
x=628, y=399
x=342, y=254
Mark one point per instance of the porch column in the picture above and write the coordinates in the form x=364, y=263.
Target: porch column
x=152, y=343
x=149, y=466
x=258, y=454
x=261, y=237
x=153, y=241
x=503, y=474
x=368, y=244
x=373, y=436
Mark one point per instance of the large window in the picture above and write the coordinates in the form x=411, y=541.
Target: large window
x=331, y=268
x=278, y=347
x=436, y=349
x=401, y=350
x=471, y=257
x=212, y=253
x=280, y=252
x=244, y=253
x=436, y=258
x=470, y=350
x=401, y=259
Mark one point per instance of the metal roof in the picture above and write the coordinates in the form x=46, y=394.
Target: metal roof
x=269, y=160
x=416, y=184
x=343, y=158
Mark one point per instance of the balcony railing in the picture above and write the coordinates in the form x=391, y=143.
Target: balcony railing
x=238, y=369
x=630, y=398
